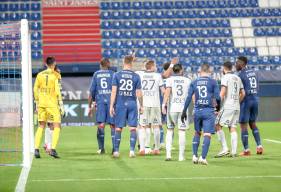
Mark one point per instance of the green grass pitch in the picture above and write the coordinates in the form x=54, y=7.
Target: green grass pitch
x=81, y=169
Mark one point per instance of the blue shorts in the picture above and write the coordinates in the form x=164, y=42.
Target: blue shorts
x=126, y=113
x=249, y=109
x=103, y=114
x=204, y=119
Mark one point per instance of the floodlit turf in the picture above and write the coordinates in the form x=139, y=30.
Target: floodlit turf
x=81, y=169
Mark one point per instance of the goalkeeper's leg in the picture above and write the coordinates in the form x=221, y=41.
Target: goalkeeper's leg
x=38, y=137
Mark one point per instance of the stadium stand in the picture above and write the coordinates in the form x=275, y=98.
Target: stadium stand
x=196, y=31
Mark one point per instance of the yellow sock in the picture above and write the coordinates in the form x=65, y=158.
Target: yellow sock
x=38, y=137
x=55, y=139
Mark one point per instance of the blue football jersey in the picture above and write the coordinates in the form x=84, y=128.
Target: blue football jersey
x=101, y=86
x=127, y=83
x=250, y=82
x=206, y=90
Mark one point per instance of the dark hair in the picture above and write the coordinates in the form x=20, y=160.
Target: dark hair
x=166, y=65
x=244, y=59
x=104, y=62
x=177, y=68
x=228, y=65
x=50, y=60
x=205, y=67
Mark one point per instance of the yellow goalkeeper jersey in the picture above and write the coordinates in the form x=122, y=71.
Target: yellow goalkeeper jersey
x=47, y=89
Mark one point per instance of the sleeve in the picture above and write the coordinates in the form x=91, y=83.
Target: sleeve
x=168, y=83
x=224, y=81
x=93, y=88
x=114, y=80
x=36, y=88
x=57, y=90
x=138, y=82
x=189, y=97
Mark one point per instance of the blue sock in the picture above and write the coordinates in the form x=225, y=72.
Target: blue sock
x=195, y=144
x=133, y=140
x=256, y=135
x=101, y=136
x=161, y=134
x=98, y=138
x=117, y=140
x=205, y=146
x=112, y=136
x=244, y=138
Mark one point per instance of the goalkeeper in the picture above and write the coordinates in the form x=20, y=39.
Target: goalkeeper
x=47, y=96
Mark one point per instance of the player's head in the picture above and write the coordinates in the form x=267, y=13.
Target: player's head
x=150, y=65
x=205, y=69
x=241, y=62
x=105, y=63
x=128, y=60
x=51, y=62
x=178, y=69
x=166, y=66
x=227, y=67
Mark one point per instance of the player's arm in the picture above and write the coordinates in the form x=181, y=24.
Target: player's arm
x=241, y=94
x=112, y=100
x=217, y=96
x=36, y=91
x=140, y=99
x=59, y=97
x=166, y=99
x=169, y=71
x=91, y=97
x=187, y=102
x=223, y=92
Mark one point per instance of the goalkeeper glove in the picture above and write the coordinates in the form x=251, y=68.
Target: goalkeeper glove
x=62, y=112
x=183, y=116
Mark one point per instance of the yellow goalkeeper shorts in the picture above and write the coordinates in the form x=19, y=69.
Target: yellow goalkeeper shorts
x=48, y=114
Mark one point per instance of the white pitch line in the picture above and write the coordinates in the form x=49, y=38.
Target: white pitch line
x=158, y=178
x=23, y=178
x=273, y=141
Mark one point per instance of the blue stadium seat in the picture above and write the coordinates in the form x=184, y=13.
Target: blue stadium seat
x=36, y=36
x=36, y=45
x=35, y=7
x=13, y=7
x=14, y=16
x=24, y=7
x=35, y=16
x=105, y=5
x=3, y=7
x=147, y=5
x=137, y=5
x=115, y=5
x=36, y=55
x=25, y=16
x=126, y=5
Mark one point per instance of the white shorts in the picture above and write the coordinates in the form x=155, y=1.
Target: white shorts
x=174, y=118
x=228, y=118
x=151, y=115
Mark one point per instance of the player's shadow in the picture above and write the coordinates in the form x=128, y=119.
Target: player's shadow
x=81, y=156
x=124, y=166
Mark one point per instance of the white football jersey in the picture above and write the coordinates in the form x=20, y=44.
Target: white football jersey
x=140, y=74
x=179, y=86
x=233, y=84
x=151, y=83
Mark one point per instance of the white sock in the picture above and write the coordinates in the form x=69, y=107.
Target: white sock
x=51, y=138
x=147, y=137
x=181, y=144
x=47, y=136
x=222, y=140
x=141, y=133
x=156, y=131
x=234, y=142
x=169, y=141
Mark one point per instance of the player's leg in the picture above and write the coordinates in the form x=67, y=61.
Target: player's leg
x=196, y=137
x=156, y=121
x=42, y=119
x=244, y=119
x=48, y=137
x=208, y=129
x=222, y=119
x=143, y=122
x=110, y=121
x=101, y=114
x=182, y=138
x=112, y=129
x=169, y=136
x=233, y=133
x=254, y=128
x=162, y=143
x=133, y=123
x=55, y=116
x=120, y=122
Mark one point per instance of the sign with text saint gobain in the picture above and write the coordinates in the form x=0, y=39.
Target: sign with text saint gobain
x=70, y=3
